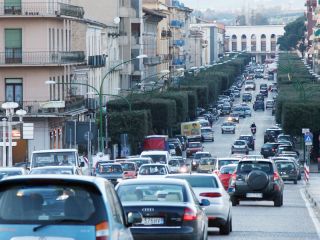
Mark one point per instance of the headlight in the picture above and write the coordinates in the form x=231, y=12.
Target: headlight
x=194, y=163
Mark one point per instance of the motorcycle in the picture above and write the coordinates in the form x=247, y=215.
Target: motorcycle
x=253, y=130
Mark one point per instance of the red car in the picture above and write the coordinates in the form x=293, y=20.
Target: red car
x=194, y=147
x=226, y=173
x=130, y=169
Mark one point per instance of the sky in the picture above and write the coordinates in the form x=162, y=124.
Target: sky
x=238, y=4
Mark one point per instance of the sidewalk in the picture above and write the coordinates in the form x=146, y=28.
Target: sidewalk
x=312, y=190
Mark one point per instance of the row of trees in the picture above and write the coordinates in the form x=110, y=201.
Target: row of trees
x=161, y=112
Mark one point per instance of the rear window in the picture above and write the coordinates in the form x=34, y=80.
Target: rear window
x=128, y=166
x=110, y=169
x=199, y=181
x=50, y=203
x=202, y=155
x=227, y=162
x=157, y=158
x=285, y=166
x=227, y=169
x=247, y=167
x=152, y=170
x=206, y=130
x=152, y=192
x=194, y=145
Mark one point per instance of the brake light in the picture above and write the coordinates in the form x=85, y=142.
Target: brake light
x=216, y=172
x=189, y=215
x=276, y=176
x=233, y=179
x=102, y=231
x=211, y=194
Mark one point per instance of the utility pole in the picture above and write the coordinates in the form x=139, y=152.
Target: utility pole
x=4, y=140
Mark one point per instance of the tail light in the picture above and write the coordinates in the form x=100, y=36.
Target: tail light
x=102, y=231
x=211, y=194
x=276, y=176
x=189, y=215
x=233, y=179
x=216, y=172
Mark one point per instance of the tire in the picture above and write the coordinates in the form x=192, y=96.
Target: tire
x=295, y=181
x=234, y=201
x=226, y=229
x=257, y=180
x=212, y=140
x=222, y=132
x=234, y=132
x=278, y=201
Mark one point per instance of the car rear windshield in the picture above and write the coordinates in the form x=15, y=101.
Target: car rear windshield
x=152, y=192
x=128, y=166
x=194, y=145
x=35, y=202
x=202, y=155
x=152, y=170
x=247, y=167
x=157, y=158
x=206, y=130
x=199, y=181
x=227, y=169
x=227, y=162
x=285, y=166
x=110, y=169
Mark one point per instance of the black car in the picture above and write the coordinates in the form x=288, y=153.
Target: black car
x=169, y=209
x=269, y=149
x=259, y=97
x=271, y=134
x=264, y=92
x=258, y=105
x=288, y=170
x=256, y=180
x=249, y=139
x=246, y=97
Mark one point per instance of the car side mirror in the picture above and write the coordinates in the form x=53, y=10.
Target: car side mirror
x=134, y=218
x=205, y=203
x=82, y=164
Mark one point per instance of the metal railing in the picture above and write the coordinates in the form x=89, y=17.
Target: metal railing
x=152, y=60
x=17, y=56
x=44, y=8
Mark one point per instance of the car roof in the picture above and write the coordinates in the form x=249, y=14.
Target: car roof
x=154, y=164
x=202, y=153
x=206, y=128
x=110, y=164
x=56, y=150
x=152, y=181
x=256, y=160
x=55, y=167
x=153, y=152
x=11, y=169
x=228, y=158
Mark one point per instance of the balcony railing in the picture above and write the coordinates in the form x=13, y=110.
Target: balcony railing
x=154, y=60
x=44, y=8
x=17, y=56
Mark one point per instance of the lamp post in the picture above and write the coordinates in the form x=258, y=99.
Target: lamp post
x=9, y=107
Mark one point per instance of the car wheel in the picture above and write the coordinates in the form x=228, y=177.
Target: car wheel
x=212, y=139
x=234, y=201
x=234, y=132
x=278, y=201
x=295, y=181
x=222, y=132
x=299, y=177
x=226, y=228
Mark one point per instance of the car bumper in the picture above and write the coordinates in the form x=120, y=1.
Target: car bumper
x=228, y=130
x=159, y=233
x=289, y=178
x=267, y=194
x=241, y=150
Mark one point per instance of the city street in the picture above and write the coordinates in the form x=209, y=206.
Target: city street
x=261, y=220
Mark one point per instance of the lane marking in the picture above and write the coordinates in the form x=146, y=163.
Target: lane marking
x=312, y=215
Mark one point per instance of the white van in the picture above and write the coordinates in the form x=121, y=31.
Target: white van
x=56, y=157
x=157, y=156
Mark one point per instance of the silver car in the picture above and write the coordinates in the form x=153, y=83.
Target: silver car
x=207, y=134
x=208, y=186
x=228, y=127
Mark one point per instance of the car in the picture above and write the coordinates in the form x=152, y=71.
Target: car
x=288, y=170
x=193, y=147
x=196, y=158
x=184, y=167
x=258, y=105
x=256, y=180
x=110, y=171
x=228, y=127
x=204, y=123
x=269, y=149
x=225, y=174
x=69, y=170
x=62, y=206
x=130, y=169
x=11, y=171
x=236, y=93
x=264, y=92
x=259, y=97
x=240, y=146
x=234, y=117
x=271, y=134
x=247, y=110
x=246, y=97
x=290, y=158
x=249, y=139
x=208, y=187
x=284, y=147
x=168, y=208
x=207, y=134
x=249, y=85
x=263, y=86
x=174, y=166
x=270, y=104
x=139, y=161
x=220, y=162
x=177, y=145
x=225, y=110
x=206, y=165
x=154, y=170
x=286, y=137
x=239, y=110
x=161, y=157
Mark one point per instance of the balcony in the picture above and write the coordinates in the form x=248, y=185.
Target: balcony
x=154, y=60
x=40, y=9
x=97, y=61
x=15, y=56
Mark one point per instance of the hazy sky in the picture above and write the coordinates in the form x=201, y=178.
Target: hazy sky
x=238, y=4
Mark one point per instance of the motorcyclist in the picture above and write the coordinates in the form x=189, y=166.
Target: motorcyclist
x=253, y=125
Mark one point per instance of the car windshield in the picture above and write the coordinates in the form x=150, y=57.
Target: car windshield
x=206, y=130
x=128, y=166
x=197, y=181
x=174, y=163
x=41, y=203
x=285, y=166
x=152, y=192
x=207, y=161
x=247, y=167
x=51, y=171
x=194, y=145
x=53, y=159
x=140, y=162
x=4, y=174
x=202, y=155
x=109, y=169
x=152, y=170
x=227, y=169
x=157, y=158
x=227, y=162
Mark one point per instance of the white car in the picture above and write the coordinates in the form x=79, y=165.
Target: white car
x=240, y=146
x=153, y=171
x=161, y=157
x=249, y=85
x=229, y=127
x=207, y=134
x=11, y=171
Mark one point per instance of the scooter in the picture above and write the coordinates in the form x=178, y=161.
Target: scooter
x=253, y=130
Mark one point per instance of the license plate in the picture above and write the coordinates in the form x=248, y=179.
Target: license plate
x=254, y=195
x=152, y=221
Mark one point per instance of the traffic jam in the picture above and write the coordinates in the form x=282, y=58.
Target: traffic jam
x=177, y=188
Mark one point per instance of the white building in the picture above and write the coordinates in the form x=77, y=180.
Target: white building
x=259, y=40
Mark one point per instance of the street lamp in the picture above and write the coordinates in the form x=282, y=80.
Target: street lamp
x=9, y=107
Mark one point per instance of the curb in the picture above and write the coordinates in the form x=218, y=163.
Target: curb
x=313, y=202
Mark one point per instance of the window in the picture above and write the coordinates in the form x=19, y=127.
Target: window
x=14, y=91
x=50, y=40
x=13, y=45
x=12, y=6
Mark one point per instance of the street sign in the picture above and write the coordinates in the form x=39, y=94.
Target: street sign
x=308, y=139
x=305, y=130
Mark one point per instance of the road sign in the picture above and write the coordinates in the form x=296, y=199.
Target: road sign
x=308, y=139
x=305, y=130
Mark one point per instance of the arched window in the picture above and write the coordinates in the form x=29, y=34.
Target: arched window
x=234, y=43
x=273, y=42
x=243, y=42
x=253, y=43
x=263, y=43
